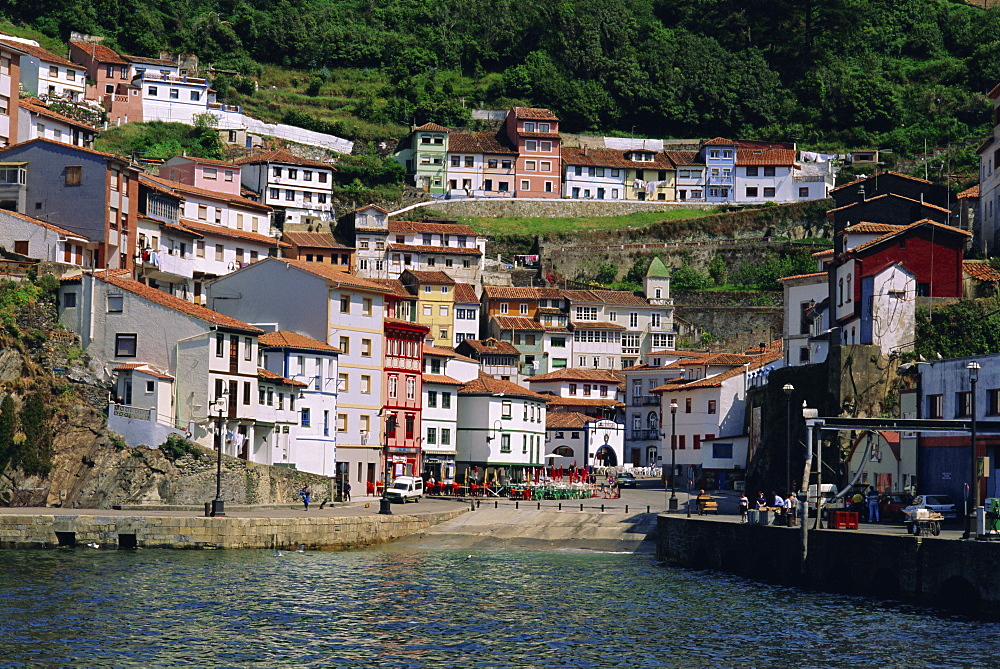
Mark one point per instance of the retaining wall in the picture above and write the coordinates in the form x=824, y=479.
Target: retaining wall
x=330, y=533
x=959, y=575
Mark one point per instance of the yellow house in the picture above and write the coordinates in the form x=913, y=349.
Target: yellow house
x=649, y=175
x=435, y=293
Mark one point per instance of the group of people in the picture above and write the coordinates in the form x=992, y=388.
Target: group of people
x=866, y=505
x=785, y=508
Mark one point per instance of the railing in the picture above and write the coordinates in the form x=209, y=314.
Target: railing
x=715, y=179
x=642, y=435
x=813, y=177
x=134, y=413
x=15, y=267
x=645, y=400
x=226, y=108
x=172, y=78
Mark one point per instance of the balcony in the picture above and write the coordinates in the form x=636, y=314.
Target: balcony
x=809, y=178
x=720, y=180
x=645, y=400
x=643, y=435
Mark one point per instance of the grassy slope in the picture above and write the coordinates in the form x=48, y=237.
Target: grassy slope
x=540, y=225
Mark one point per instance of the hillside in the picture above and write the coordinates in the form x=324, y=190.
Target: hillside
x=833, y=75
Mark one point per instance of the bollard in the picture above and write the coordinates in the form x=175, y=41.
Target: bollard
x=517, y=505
x=472, y=507
x=478, y=503
x=496, y=504
x=602, y=508
x=581, y=507
x=539, y=506
x=560, y=506
x=647, y=508
x=626, y=508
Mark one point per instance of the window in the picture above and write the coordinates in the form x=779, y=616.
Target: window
x=345, y=304
x=558, y=342
x=768, y=172
x=963, y=405
x=393, y=385
x=74, y=175
x=711, y=406
x=152, y=91
x=506, y=409
x=219, y=252
x=289, y=194
x=432, y=399
x=175, y=94
x=935, y=408
x=994, y=399
x=220, y=345
x=411, y=388
x=545, y=146
x=247, y=348
x=69, y=300
x=803, y=191
x=210, y=173
x=432, y=435
x=343, y=381
x=342, y=422
x=586, y=313
x=366, y=306
x=768, y=192
x=469, y=162
x=752, y=191
x=524, y=309
x=305, y=420
x=445, y=400
x=687, y=405
x=125, y=345
x=751, y=171
x=366, y=384
x=525, y=185
x=115, y=303
x=505, y=443
x=345, y=345
x=366, y=348
x=529, y=165
x=445, y=436
x=246, y=392
x=572, y=389
x=722, y=451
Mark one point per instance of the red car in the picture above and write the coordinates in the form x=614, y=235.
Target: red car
x=891, y=505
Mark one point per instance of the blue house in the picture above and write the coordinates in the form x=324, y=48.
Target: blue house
x=719, y=155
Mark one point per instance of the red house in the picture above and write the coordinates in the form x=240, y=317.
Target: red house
x=535, y=135
x=403, y=365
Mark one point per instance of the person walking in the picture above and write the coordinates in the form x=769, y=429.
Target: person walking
x=305, y=494
x=744, y=507
x=791, y=508
x=872, y=497
x=347, y=491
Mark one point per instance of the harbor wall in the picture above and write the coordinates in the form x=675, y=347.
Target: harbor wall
x=962, y=576
x=141, y=531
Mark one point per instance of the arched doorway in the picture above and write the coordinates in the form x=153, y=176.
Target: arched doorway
x=605, y=457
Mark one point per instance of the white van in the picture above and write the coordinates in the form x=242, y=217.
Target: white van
x=405, y=488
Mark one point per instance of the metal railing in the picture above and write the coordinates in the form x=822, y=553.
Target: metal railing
x=645, y=400
x=642, y=435
x=134, y=413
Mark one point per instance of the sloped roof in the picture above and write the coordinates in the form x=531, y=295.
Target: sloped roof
x=802, y=276
x=620, y=298
x=981, y=271
x=329, y=273
x=908, y=228
x=211, y=228
x=517, y=323
x=270, y=377
x=437, y=277
x=616, y=158
x=596, y=325
x=657, y=268
x=422, y=226
x=535, y=113
x=282, y=156
x=38, y=52
x=465, y=293
x=179, y=187
x=487, y=385
x=479, y=142
x=879, y=197
x=440, y=378
x=72, y=147
x=141, y=367
x=579, y=374
x=686, y=158
x=316, y=240
x=433, y=127
x=875, y=176
x=445, y=353
x=969, y=193
x=45, y=224
x=420, y=248
x=510, y=293
x=865, y=227
x=566, y=420
x=491, y=345
x=828, y=253
x=288, y=339
x=765, y=156
x=177, y=304
x=395, y=287
x=37, y=107
x=582, y=402
x=719, y=141
x=101, y=53
x=143, y=60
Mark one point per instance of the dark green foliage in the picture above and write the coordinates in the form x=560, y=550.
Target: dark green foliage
x=8, y=428
x=763, y=274
x=157, y=139
x=176, y=447
x=34, y=455
x=969, y=327
x=689, y=278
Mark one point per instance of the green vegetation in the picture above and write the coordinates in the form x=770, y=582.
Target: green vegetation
x=542, y=226
x=176, y=447
x=160, y=140
x=968, y=327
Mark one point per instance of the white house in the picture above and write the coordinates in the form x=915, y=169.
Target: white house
x=578, y=439
x=444, y=372
x=44, y=241
x=35, y=120
x=805, y=318
x=313, y=363
x=44, y=73
x=501, y=426
x=300, y=188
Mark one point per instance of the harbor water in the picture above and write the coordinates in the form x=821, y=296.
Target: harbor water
x=403, y=606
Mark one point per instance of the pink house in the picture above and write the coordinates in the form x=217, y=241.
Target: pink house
x=113, y=85
x=534, y=133
x=214, y=175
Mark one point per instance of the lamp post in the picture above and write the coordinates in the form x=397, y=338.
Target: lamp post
x=385, y=504
x=221, y=405
x=788, y=388
x=970, y=526
x=673, y=456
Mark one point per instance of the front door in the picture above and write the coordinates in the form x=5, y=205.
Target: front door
x=234, y=354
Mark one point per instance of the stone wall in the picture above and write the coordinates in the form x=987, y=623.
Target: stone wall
x=550, y=208
x=732, y=322
x=959, y=575
x=47, y=531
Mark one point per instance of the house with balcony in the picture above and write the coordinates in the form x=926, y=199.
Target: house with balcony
x=444, y=372
x=402, y=408
x=480, y=164
x=764, y=172
x=594, y=392
x=44, y=241
x=345, y=311
x=649, y=175
x=305, y=372
x=113, y=77
x=466, y=313
x=425, y=157
x=499, y=359
x=501, y=428
x=527, y=336
x=320, y=247
x=168, y=95
x=36, y=120
x=44, y=73
x=691, y=179
x=457, y=250
x=10, y=94
x=576, y=440
x=435, y=295
x=298, y=189
x=171, y=384
x=87, y=192
x=534, y=133
x=719, y=155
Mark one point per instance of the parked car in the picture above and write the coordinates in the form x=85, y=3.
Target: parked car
x=625, y=480
x=934, y=503
x=405, y=488
x=891, y=505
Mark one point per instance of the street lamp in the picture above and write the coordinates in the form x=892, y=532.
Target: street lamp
x=385, y=504
x=788, y=388
x=673, y=456
x=970, y=526
x=222, y=406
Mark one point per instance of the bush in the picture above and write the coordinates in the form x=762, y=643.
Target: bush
x=176, y=447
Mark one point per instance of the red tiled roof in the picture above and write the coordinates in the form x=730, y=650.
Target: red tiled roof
x=615, y=158
x=491, y=345
x=177, y=304
x=395, y=287
x=510, y=293
x=38, y=52
x=487, y=385
x=316, y=240
x=419, y=248
x=719, y=141
x=581, y=402
x=208, y=161
x=972, y=192
x=36, y=107
x=684, y=157
x=211, y=228
x=534, y=113
x=579, y=374
x=101, y=53
x=421, y=226
x=822, y=254
x=765, y=156
x=202, y=192
x=875, y=176
x=44, y=224
x=981, y=271
x=726, y=359
x=579, y=296
x=517, y=323
x=73, y=147
x=269, y=376
x=479, y=142
x=143, y=60
x=445, y=352
x=330, y=274
x=406, y=325
x=433, y=127
x=596, y=325
x=283, y=157
x=566, y=420
x=539, y=135
x=869, y=228
x=802, y=276
x=141, y=367
x=436, y=277
x=906, y=228
x=288, y=339
x=465, y=293
x=441, y=378
x=620, y=297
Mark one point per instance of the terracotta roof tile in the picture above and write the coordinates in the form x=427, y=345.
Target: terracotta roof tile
x=487, y=385
x=491, y=346
x=419, y=248
x=53, y=143
x=404, y=324
x=465, y=293
x=288, y=339
x=615, y=158
x=270, y=377
x=685, y=158
x=436, y=277
x=38, y=52
x=579, y=296
x=907, y=228
x=719, y=141
x=100, y=52
x=395, y=287
x=177, y=304
x=620, y=297
x=803, y=276
x=822, y=254
x=765, y=156
x=581, y=402
x=221, y=230
x=517, y=323
x=433, y=127
x=535, y=113
x=316, y=240
x=981, y=271
x=441, y=228
x=579, y=374
x=143, y=60
x=330, y=274
x=479, y=142
x=876, y=176
x=445, y=353
x=37, y=107
x=510, y=293
x=141, y=367
x=182, y=188
x=538, y=135
x=877, y=228
x=972, y=192
x=43, y=224
x=283, y=157
x=441, y=378
x=566, y=420
x=596, y=325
